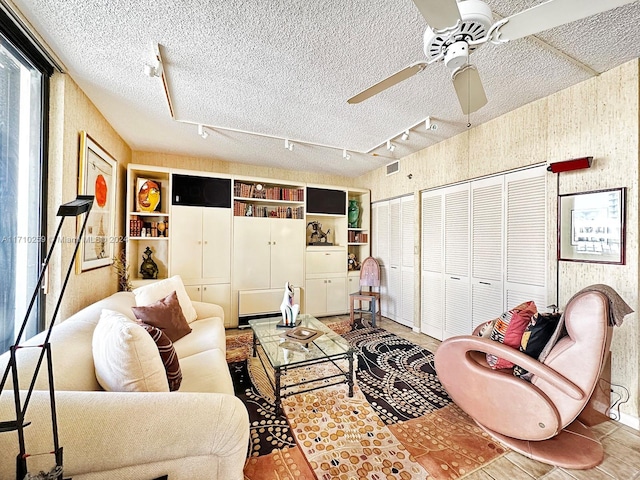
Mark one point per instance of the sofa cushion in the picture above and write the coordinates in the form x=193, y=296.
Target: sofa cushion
x=166, y=315
x=168, y=356
x=206, y=372
x=207, y=334
x=126, y=357
x=535, y=337
x=508, y=329
x=155, y=291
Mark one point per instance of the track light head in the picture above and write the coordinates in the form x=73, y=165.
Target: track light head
x=405, y=135
x=345, y=154
x=152, y=71
x=288, y=145
x=390, y=146
x=430, y=126
x=202, y=132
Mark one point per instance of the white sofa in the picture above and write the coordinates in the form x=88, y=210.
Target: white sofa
x=200, y=431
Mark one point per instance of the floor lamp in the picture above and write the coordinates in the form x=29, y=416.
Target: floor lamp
x=82, y=204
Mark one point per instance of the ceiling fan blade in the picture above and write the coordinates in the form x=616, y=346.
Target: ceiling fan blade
x=397, y=77
x=549, y=14
x=466, y=81
x=439, y=14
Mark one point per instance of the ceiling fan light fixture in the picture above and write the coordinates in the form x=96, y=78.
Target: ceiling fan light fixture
x=405, y=135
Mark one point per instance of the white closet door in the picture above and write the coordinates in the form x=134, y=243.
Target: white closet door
x=457, y=319
x=382, y=233
x=395, y=232
x=393, y=297
x=487, y=300
x=526, y=259
x=407, y=212
x=432, y=261
x=374, y=231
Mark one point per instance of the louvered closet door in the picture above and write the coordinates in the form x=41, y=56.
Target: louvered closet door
x=381, y=232
x=457, y=318
x=407, y=211
x=487, y=300
x=394, y=265
x=526, y=266
x=432, y=291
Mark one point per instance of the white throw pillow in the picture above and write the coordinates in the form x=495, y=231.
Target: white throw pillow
x=158, y=290
x=125, y=356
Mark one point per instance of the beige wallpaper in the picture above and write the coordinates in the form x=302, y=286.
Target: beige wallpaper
x=71, y=112
x=599, y=118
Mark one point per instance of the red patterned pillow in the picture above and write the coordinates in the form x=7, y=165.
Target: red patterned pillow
x=168, y=355
x=508, y=329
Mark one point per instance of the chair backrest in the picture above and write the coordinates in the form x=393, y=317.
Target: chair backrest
x=369, y=273
x=579, y=355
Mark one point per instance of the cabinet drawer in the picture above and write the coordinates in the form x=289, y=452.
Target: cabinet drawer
x=325, y=261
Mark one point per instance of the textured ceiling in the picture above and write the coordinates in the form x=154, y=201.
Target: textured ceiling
x=286, y=68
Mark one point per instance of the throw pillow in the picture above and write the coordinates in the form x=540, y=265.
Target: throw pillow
x=166, y=315
x=508, y=329
x=157, y=290
x=535, y=337
x=125, y=357
x=168, y=356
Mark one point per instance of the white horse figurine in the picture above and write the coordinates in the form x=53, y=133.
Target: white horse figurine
x=287, y=307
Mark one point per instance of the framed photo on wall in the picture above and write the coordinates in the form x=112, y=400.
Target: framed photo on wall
x=591, y=226
x=97, y=176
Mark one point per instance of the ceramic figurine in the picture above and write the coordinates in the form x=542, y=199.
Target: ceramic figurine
x=287, y=307
x=148, y=269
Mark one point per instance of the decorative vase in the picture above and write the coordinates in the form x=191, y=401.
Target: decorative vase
x=354, y=214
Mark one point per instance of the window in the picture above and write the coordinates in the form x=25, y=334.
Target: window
x=23, y=112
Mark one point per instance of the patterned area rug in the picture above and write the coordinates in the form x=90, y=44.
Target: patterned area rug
x=400, y=423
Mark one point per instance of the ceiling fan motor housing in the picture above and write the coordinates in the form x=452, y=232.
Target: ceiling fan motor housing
x=476, y=21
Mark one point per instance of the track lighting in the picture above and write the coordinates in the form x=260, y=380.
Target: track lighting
x=390, y=146
x=345, y=154
x=153, y=71
x=430, y=126
x=405, y=135
x=288, y=145
x=202, y=132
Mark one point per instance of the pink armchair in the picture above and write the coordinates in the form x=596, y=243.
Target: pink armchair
x=537, y=418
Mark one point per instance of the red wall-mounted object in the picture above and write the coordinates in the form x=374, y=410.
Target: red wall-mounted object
x=568, y=165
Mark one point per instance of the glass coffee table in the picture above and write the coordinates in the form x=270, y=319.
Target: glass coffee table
x=281, y=355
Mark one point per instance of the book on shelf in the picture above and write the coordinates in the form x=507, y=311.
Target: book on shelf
x=244, y=209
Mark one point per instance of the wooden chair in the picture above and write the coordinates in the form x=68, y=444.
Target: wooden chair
x=369, y=279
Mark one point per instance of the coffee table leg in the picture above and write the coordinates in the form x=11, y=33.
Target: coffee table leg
x=277, y=392
x=351, y=375
x=254, y=343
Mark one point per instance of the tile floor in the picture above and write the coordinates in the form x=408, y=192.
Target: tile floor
x=621, y=443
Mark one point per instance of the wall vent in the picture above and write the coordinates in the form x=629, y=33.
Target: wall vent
x=393, y=167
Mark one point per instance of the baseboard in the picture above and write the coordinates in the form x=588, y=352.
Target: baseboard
x=416, y=330
x=630, y=421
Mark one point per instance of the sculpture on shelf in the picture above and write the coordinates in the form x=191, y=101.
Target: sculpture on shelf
x=148, y=269
x=352, y=262
x=318, y=237
x=288, y=308
x=353, y=213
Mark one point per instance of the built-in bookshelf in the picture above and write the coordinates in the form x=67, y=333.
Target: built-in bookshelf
x=259, y=199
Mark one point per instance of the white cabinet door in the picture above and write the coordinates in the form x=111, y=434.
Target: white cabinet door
x=186, y=243
x=315, y=296
x=432, y=294
x=194, y=292
x=287, y=252
x=251, y=253
x=219, y=294
x=353, y=282
x=336, y=295
x=216, y=245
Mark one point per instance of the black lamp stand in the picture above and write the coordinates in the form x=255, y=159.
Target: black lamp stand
x=82, y=204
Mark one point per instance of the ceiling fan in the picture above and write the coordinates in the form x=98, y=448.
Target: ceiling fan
x=456, y=29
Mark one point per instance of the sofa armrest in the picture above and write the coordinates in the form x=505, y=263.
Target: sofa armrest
x=102, y=431
x=207, y=310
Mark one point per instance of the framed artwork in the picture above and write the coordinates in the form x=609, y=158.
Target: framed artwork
x=148, y=195
x=591, y=226
x=97, y=177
